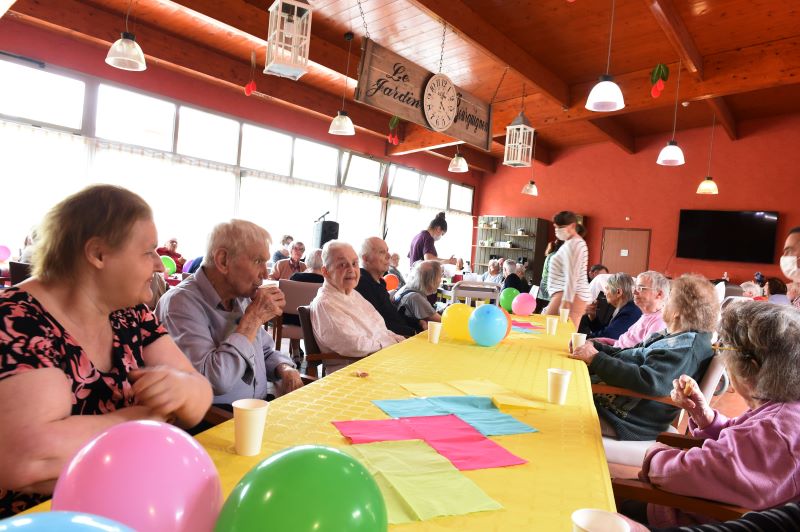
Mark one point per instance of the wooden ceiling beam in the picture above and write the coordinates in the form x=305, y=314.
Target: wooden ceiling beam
x=101, y=28
x=615, y=132
x=724, y=116
x=677, y=34
x=476, y=159
x=474, y=29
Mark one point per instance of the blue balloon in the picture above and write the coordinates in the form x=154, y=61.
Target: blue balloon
x=487, y=325
x=61, y=521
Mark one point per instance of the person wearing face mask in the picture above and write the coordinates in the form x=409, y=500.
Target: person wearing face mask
x=567, y=278
x=790, y=259
x=423, y=246
x=343, y=321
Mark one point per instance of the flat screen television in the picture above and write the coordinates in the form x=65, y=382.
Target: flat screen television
x=737, y=236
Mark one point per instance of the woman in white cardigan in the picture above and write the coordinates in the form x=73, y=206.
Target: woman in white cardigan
x=567, y=280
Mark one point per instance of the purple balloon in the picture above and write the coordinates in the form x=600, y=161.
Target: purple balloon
x=523, y=305
x=146, y=475
x=4, y=253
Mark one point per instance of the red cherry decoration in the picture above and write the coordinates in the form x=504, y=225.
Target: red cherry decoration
x=660, y=84
x=396, y=140
x=249, y=88
x=654, y=92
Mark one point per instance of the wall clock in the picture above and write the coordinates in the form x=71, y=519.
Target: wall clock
x=440, y=102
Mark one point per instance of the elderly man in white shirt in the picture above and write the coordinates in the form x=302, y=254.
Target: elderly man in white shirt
x=343, y=321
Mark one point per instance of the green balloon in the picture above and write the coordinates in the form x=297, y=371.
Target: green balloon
x=308, y=488
x=507, y=297
x=169, y=264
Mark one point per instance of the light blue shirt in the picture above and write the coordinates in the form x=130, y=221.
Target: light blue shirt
x=237, y=368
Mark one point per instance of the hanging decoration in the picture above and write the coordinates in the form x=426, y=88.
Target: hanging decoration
x=519, y=139
x=288, y=38
x=671, y=154
x=393, y=138
x=658, y=76
x=250, y=86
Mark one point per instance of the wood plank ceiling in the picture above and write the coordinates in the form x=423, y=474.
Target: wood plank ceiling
x=741, y=58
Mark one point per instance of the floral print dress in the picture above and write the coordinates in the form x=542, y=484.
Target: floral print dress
x=31, y=338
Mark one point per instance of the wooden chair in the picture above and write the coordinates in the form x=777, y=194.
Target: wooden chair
x=18, y=271
x=314, y=356
x=631, y=453
x=630, y=489
x=297, y=294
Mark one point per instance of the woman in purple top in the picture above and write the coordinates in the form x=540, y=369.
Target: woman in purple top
x=423, y=246
x=753, y=460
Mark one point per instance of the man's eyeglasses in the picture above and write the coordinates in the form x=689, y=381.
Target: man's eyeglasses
x=641, y=288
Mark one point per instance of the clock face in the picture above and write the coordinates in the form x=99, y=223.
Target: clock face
x=440, y=102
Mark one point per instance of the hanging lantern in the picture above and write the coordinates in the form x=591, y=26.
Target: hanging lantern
x=519, y=142
x=288, y=38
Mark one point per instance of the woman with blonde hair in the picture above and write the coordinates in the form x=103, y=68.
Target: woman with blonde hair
x=79, y=351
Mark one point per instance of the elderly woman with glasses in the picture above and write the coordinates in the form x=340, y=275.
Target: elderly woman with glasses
x=619, y=293
x=650, y=367
x=412, y=300
x=752, y=460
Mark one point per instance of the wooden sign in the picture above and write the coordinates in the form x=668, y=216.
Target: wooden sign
x=393, y=84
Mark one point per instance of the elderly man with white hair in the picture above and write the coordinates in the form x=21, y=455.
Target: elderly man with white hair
x=343, y=321
x=412, y=300
x=216, y=316
x=512, y=280
x=374, y=263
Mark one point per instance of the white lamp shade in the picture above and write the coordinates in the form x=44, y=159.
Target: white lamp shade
x=605, y=97
x=126, y=54
x=708, y=186
x=530, y=189
x=671, y=155
x=458, y=164
x=342, y=125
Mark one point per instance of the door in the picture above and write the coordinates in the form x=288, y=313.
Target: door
x=626, y=250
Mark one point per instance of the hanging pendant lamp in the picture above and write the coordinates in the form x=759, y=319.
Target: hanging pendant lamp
x=671, y=154
x=341, y=124
x=125, y=53
x=708, y=186
x=606, y=96
x=530, y=187
x=458, y=165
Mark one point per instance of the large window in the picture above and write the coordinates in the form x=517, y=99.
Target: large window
x=434, y=192
x=461, y=198
x=40, y=96
x=362, y=173
x=133, y=118
x=266, y=150
x=404, y=183
x=207, y=136
x=315, y=162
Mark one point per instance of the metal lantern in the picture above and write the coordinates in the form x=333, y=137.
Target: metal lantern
x=519, y=142
x=288, y=38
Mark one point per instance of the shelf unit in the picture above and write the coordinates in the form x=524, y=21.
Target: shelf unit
x=530, y=245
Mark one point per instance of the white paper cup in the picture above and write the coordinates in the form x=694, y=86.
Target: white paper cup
x=590, y=520
x=578, y=339
x=479, y=302
x=434, y=331
x=557, y=385
x=564, y=314
x=552, y=325
x=249, y=417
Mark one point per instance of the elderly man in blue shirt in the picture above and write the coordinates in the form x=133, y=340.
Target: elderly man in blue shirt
x=216, y=316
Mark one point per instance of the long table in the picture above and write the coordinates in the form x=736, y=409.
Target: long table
x=566, y=467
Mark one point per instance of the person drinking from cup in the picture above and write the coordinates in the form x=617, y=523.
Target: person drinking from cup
x=216, y=316
x=79, y=351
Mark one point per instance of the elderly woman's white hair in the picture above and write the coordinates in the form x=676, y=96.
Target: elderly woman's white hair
x=425, y=276
x=751, y=289
x=329, y=251
x=493, y=264
x=234, y=236
x=314, y=259
x=763, y=341
x=657, y=281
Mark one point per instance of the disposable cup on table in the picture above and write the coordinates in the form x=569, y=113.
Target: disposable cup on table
x=557, y=385
x=552, y=325
x=479, y=303
x=578, y=339
x=434, y=331
x=249, y=417
x=564, y=315
x=591, y=520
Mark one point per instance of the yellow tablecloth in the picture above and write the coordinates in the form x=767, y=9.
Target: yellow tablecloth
x=566, y=467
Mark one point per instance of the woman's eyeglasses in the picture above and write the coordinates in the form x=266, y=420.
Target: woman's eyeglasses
x=640, y=288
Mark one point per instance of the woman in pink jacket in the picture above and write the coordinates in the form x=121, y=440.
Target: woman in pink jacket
x=752, y=460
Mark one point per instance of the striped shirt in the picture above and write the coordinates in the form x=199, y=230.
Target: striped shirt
x=567, y=272
x=782, y=519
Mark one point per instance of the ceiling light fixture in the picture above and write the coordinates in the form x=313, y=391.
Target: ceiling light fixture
x=341, y=124
x=458, y=164
x=125, y=53
x=606, y=96
x=671, y=154
x=530, y=188
x=708, y=186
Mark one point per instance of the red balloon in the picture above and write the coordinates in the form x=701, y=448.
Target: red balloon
x=508, y=318
x=392, y=282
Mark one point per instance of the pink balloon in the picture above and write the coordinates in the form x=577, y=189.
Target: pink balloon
x=523, y=305
x=4, y=253
x=146, y=475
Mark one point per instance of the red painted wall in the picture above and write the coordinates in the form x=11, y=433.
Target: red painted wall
x=66, y=52
x=757, y=172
